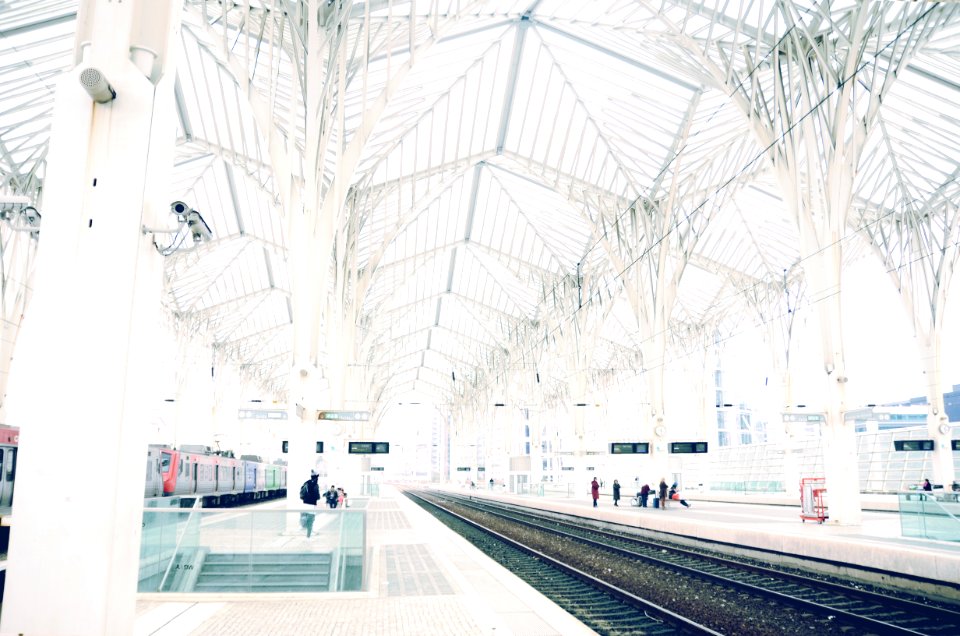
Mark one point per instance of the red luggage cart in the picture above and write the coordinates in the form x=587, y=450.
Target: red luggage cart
x=812, y=506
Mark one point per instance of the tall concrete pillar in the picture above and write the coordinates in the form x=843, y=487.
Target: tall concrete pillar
x=73, y=558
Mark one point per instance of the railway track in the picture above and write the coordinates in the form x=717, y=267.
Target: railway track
x=604, y=608
x=835, y=604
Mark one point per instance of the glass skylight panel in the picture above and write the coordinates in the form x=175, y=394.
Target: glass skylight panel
x=502, y=182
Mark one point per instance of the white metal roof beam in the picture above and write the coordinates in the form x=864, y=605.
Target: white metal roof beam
x=482, y=247
x=234, y=199
x=449, y=38
x=678, y=145
x=204, y=311
x=933, y=77
x=576, y=183
x=182, y=113
x=511, y=87
x=41, y=24
x=472, y=206
x=459, y=335
x=393, y=362
x=617, y=56
x=738, y=26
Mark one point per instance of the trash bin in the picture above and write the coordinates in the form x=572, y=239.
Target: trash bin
x=656, y=502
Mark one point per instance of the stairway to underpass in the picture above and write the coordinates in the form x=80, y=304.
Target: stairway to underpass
x=286, y=572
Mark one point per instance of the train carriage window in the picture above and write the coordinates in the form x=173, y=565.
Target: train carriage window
x=12, y=468
x=165, y=459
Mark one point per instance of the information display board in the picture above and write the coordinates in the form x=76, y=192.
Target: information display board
x=955, y=443
x=344, y=416
x=688, y=447
x=285, y=447
x=629, y=448
x=463, y=469
x=376, y=468
x=913, y=444
x=368, y=448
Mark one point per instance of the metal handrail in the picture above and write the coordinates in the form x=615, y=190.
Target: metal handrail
x=176, y=549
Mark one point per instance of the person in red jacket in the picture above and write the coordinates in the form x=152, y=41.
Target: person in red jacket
x=595, y=491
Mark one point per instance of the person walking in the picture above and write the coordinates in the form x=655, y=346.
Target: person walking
x=616, y=492
x=663, y=493
x=927, y=486
x=595, y=491
x=309, y=495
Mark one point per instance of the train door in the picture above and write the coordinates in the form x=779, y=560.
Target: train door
x=154, y=481
x=193, y=471
x=216, y=478
x=8, y=464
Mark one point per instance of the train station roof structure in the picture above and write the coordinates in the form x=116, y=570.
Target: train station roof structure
x=504, y=176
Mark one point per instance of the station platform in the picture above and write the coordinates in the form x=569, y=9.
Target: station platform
x=772, y=522
x=425, y=580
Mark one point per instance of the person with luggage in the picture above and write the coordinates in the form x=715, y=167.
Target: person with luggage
x=309, y=495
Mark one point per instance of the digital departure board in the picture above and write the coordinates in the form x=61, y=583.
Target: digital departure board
x=913, y=444
x=688, y=447
x=285, y=447
x=368, y=448
x=463, y=469
x=955, y=443
x=629, y=448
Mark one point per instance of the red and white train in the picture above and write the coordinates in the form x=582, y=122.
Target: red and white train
x=220, y=479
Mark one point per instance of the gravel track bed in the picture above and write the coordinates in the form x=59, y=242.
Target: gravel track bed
x=722, y=609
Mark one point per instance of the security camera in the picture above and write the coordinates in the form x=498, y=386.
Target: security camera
x=97, y=86
x=199, y=229
x=180, y=210
x=32, y=215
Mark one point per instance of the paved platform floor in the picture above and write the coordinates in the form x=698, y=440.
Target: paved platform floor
x=425, y=581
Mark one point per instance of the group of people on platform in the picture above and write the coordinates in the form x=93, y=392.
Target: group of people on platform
x=663, y=494
x=310, y=494
x=928, y=487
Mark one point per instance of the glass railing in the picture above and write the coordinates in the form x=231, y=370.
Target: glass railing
x=216, y=550
x=526, y=488
x=930, y=515
x=752, y=486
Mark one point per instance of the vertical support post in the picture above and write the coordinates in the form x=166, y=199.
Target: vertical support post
x=89, y=376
